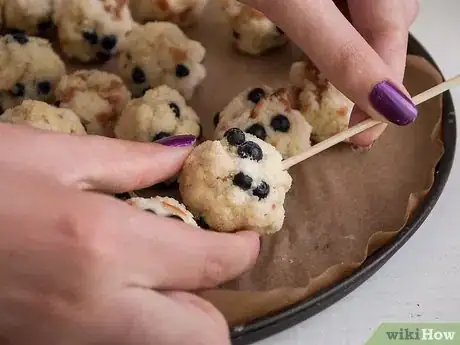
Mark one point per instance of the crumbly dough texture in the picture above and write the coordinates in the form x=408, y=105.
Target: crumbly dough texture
x=29, y=69
x=253, y=33
x=320, y=102
x=160, y=113
x=164, y=207
x=160, y=53
x=184, y=13
x=44, y=116
x=272, y=119
x=97, y=97
x=208, y=189
x=33, y=17
x=92, y=30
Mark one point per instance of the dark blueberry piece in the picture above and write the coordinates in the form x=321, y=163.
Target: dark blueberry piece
x=20, y=37
x=123, y=196
x=45, y=25
x=236, y=35
x=14, y=31
x=202, y=223
x=279, y=30
x=258, y=130
x=44, y=88
x=91, y=37
x=151, y=211
x=138, y=75
x=18, y=90
x=145, y=90
x=280, y=123
x=173, y=216
x=255, y=95
x=109, y=42
x=216, y=119
x=161, y=135
x=175, y=108
x=243, y=181
x=103, y=57
x=262, y=190
x=201, y=131
x=250, y=150
x=235, y=136
x=182, y=71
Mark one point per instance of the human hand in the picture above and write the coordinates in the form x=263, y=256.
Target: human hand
x=364, y=59
x=81, y=267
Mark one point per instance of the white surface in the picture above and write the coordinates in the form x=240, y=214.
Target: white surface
x=422, y=281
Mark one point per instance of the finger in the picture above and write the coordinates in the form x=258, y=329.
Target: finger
x=163, y=253
x=93, y=162
x=143, y=317
x=343, y=56
x=384, y=25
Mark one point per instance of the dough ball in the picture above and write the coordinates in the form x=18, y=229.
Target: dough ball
x=160, y=53
x=164, y=207
x=44, y=116
x=97, y=97
x=184, y=13
x=236, y=183
x=29, y=69
x=253, y=33
x=160, y=113
x=92, y=30
x=271, y=119
x=33, y=17
x=322, y=105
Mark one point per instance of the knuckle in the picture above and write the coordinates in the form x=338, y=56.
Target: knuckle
x=214, y=270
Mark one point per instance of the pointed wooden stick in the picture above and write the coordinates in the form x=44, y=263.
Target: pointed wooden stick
x=360, y=127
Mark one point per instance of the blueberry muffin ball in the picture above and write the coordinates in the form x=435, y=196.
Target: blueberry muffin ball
x=271, y=119
x=253, y=33
x=321, y=103
x=160, y=53
x=29, y=69
x=184, y=13
x=92, y=30
x=164, y=207
x=236, y=183
x=43, y=116
x=160, y=113
x=33, y=17
x=97, y=97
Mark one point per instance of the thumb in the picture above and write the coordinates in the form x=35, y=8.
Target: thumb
x=93, y=162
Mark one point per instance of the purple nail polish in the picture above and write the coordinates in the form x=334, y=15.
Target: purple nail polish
x=177, y=141
x=393, y=104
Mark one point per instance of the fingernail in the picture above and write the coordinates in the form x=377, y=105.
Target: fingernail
x=393, y=104
x=361, y=149
x=177, y=141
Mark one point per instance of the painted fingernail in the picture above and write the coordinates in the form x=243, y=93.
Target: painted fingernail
x=393, y=104
x=177, y=141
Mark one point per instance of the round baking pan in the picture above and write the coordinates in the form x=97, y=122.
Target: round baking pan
x=292, y=315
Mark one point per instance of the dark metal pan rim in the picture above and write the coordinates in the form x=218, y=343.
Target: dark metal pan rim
x=271, y=324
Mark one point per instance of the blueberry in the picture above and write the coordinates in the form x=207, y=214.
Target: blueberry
x=45, y=25
x=18, y=90
x=103, y=57
x=20, y=37
x=280, y=123
x=258, y=130
x=182, y=71
x=145, y=90
x=262, y=190
x=236, y=35
x=123, y=196
x=243, y=181
x=13, y=31
x=175, y=108
x=202, y=223
x=138, y=75
x=44, y=88
x=109, y=42
x=235, y=136
x=255, y=95
x=161, y=135
x=173, y=216
x=216, y=119
x=151, y=211
x=91, y=37
x=250, y=150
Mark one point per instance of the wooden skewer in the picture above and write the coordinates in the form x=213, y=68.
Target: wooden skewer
x=360, y=127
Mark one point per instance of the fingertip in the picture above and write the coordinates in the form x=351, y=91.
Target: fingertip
x=252, y=240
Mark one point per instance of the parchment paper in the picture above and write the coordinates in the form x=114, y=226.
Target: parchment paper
x=343, y=204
